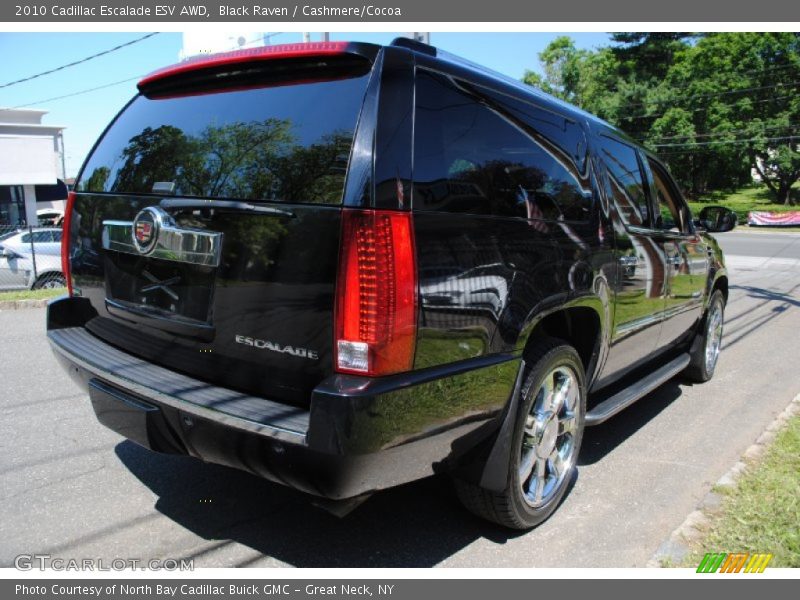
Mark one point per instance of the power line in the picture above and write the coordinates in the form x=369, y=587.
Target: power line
x=94, y=89
x=702, y=108
x=713, y=94
x=723, y=142
x=689, y=84
x=81, y=61
x=723, y=133
x=107, y=85
x=741, y=73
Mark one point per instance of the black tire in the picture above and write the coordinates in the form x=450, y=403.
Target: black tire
x=704, y=352
x=50, y=281
x=514, y=507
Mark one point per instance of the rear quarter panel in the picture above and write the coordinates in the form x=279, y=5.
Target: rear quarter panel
x=485, y=281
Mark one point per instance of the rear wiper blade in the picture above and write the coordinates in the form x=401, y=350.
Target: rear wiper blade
x=224, y=205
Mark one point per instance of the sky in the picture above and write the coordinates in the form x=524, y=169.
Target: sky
x=86, y=115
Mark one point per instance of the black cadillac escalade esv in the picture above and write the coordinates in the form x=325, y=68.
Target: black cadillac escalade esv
x=344, y=267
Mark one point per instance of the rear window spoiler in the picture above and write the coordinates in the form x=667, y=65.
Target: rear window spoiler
x=228, y=62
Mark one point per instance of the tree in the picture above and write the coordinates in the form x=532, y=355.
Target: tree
x=97, y=180
x=560, y=61
x=647, y=56
x=714, y=106
x=150, y=156
x=741, y=89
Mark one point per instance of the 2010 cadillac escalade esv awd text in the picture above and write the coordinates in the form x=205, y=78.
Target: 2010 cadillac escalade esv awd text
x=344, y=267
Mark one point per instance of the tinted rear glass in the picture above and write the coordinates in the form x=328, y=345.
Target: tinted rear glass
x=495, y=156
x=287, y=143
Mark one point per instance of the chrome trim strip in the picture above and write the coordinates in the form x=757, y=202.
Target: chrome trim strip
x=295, y=437
x=193, y=246
x=141, y=316
x=224, y=205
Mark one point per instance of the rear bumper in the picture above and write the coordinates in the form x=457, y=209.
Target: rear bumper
x=359, y=435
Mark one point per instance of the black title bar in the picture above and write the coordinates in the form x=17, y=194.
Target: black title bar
x=385, y=589
x=372, y=11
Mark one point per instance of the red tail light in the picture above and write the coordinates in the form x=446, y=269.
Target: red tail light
x=376, y=293
x=65, y=266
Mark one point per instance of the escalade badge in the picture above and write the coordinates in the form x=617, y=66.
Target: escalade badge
x=275, y=347
x=145, y=229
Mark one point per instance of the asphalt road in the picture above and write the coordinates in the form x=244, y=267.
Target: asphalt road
x=72, y=489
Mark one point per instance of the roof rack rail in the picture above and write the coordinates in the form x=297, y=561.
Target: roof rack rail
x=416, y=46
x=404, y=42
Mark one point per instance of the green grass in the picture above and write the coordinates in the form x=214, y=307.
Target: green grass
x=32, y=294
x=762, y=512
x=742, y=201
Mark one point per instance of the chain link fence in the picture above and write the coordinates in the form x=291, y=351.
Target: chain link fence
x=30, y=258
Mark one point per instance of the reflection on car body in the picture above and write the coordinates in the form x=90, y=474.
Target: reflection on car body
x=474, y=289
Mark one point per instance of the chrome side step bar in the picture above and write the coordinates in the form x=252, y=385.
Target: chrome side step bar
x=621, y=400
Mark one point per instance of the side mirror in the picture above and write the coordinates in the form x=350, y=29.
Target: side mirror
x=6, y=253
x=716, y=219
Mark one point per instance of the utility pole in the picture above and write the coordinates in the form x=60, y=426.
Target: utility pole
x=63, y=156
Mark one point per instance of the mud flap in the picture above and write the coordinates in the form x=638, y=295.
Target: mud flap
x=495, y=471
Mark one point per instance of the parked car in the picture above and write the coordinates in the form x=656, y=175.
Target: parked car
x=31, y=259
x=343, y=267
x=9, y=233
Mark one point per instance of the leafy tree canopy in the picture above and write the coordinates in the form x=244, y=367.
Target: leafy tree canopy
x=714, y=106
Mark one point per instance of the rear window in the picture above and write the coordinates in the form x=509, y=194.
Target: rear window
x=286, y=143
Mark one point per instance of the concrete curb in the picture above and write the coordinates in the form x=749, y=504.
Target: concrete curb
x=765, y=229
x=675, y=548
x=19, y=304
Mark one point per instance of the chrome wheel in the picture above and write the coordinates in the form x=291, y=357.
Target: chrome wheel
x=537, y=448
x=713, y=336
x=548, y=439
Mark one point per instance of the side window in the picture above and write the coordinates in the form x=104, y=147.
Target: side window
x=57, y=236
x=26, y=238
x=626, y=182
x=40, y=237
x=473, y=155
x=670, y=214
x=563, y=136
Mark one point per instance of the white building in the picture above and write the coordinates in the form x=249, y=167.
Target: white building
x=210, y=42
x=31, y=166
